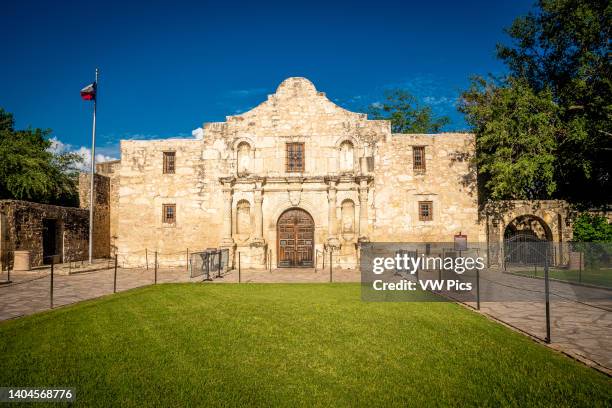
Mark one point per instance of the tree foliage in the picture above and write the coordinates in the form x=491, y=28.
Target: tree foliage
x=406, y=114
x=592, y=228
x=30, y=171
x=516, y=143
x=561, y=50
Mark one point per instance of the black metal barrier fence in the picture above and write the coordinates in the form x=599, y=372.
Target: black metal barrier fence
x=56, y=283
x=211, y=263
x=546, y=289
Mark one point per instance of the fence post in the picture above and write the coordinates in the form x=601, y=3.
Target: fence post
x=239, y=278
x=156, y=267
x=546, y=293
x=8, y=271
x=187, y=261
x=580, y=268
x=115, y=276
x=51, y=285
x=219, y=265
x=147, y=258
x=477, y=288
x=331, y=251
x=270, y=259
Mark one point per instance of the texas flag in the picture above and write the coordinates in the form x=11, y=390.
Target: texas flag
x=89, y=92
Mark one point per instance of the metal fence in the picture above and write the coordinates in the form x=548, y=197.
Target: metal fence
x=209, y=263
x=58, y=284
x=557, y=293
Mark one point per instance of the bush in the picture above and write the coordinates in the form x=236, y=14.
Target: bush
x=592, y=228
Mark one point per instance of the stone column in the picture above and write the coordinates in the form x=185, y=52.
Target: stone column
x=257, y=247
x=258, y=236
x=363, y=209
x=332, y=230
x=227, y=216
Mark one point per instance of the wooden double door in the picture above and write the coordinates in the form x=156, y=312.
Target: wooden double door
x=295, y=239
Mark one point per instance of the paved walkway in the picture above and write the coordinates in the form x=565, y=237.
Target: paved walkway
x=581, y=318
x=30, y=292
x=290, y=275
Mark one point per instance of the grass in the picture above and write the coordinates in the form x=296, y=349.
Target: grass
x=599, y=277
x=286, y=345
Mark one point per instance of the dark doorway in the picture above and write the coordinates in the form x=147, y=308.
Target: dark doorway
x=295, y=238
x=51, y=241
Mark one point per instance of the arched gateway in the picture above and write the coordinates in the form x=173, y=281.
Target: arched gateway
x=295, y=239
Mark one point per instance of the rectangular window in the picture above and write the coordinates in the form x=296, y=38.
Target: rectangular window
x=425, y=210
x=418, y=158
x=169, y=213
x=295, y=157
x=169, y=162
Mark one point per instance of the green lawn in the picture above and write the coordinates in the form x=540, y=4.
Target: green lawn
x=599, y=277
x=287, y=345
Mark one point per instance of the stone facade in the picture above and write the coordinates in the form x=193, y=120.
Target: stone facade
x=110, y=170
x=44, y=230
x=230, y=189
x=102, y=210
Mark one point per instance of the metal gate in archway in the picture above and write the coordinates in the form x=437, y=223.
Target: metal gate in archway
x=525, y=248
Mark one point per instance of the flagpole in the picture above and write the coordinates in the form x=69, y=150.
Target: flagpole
x=92, y=172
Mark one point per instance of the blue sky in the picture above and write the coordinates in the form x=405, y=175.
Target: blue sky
x=167, y=67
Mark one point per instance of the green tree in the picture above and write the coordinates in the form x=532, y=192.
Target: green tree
x=29, y=171
x=406, y=114
x=564, y=46
x=516, y=137
x=592, y=228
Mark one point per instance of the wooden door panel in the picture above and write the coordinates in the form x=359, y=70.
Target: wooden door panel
x=295, y=240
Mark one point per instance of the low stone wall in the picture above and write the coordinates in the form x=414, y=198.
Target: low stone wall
x=23, y=227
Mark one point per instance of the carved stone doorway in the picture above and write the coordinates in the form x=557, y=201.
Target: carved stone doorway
x=295, y=239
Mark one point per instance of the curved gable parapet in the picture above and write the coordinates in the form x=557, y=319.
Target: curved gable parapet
x=297, y=108
x=297, y=94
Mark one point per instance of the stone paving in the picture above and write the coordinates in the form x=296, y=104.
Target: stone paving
x=581, y=318
x=297, y=275
x=30, y=292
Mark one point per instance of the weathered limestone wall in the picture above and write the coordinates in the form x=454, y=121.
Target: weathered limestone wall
x=231, y=187
x=22, y=229
x=111, y=170
x=448, y=181
x=102, y=210
x=143, y=189
x=209, y=180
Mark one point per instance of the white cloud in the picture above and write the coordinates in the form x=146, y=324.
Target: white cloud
x=85, y=153
x=377, y=105
x=58, y=147
x=198, y=133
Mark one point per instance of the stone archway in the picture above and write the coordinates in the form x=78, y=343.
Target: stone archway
x=526, y=240
x=295, y=239
x=546, y=221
